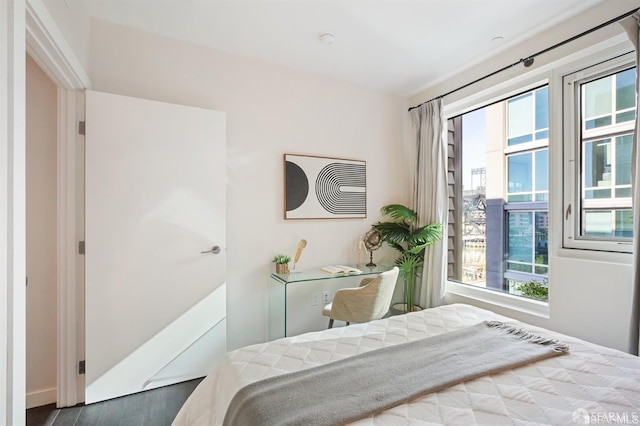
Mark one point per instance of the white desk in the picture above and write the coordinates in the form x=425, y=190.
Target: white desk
x=296, y=299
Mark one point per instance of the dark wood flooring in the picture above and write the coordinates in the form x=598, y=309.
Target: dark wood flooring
x=156, y=407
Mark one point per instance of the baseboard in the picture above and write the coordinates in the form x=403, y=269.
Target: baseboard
x=39, y=398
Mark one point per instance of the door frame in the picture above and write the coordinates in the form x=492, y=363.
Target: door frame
x=12, y=212
x=48, y=47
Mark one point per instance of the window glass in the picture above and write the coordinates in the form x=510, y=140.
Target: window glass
x=542, y=112
x=623, y=192
x=473, y=217
x=520, y=112
x=542, y=174
x=598, y=224
x=623, y=159
x=528, y=233
x=597, y=164
x=541, y=242
x=597, y=98
x=605, y=156
x=520, y=177
x=519, y=241
x=495, y=228
x=624, y=224
x=609, y=223
x=626, y=90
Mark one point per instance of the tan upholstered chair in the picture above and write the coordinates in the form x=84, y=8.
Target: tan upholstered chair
x=368, y=302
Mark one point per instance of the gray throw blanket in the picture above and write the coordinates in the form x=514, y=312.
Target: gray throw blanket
x=356, y=387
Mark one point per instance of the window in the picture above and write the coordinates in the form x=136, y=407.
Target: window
x=505, y=143
x=503, y=188
x=600, y=102
x=527, y=218
x=528, y=117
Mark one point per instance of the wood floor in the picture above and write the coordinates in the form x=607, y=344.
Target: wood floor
x=156, y=407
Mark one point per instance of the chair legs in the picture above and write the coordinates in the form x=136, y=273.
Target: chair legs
x=331, y=323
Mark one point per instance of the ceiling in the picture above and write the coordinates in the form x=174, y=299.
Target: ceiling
x=398, y=46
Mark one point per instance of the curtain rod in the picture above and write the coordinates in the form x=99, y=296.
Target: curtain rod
x=528, y=61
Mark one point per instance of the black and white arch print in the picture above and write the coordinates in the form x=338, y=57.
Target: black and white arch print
x=323, y=188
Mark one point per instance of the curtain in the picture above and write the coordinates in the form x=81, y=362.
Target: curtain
x=430, y=196
x=632, y=26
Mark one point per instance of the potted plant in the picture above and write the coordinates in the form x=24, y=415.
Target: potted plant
x=405, y=235
x=282, y=263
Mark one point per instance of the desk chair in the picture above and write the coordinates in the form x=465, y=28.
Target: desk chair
x=368, y=302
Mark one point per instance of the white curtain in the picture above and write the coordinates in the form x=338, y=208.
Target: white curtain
x=430, y=196
x=632, y=27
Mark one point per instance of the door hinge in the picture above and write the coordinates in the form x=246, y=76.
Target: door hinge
x=81, y=127
x=81, y=366
x=81, y=247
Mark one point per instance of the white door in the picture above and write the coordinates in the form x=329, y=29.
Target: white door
x=155, y=244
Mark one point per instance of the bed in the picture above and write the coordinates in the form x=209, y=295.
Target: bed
x=590, y=384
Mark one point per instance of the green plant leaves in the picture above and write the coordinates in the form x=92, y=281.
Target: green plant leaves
x=409, y=262
x=410, y=240
x=281, y=258
x=534, y=289
x=426, y=235
x=400, y=212
x=393, y=232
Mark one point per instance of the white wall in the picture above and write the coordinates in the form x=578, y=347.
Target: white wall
x=41, y=236
x=271, y=110
x=590, y=293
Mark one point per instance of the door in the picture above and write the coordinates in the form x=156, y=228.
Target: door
x=155, y=244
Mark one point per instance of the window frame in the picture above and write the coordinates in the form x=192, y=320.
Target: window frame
x=531, y=86
x=516, y=81
x=572, y=156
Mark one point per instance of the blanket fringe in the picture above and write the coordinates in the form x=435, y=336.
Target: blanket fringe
x=556, y=345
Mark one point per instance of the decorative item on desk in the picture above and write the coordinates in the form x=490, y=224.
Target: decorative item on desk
x=282, y=263
x=340, y=270
x=372, y=241
x=359, y=253
x=301, y=245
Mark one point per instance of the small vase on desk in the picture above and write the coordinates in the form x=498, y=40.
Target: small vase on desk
x=282, y=268
x=359, y=254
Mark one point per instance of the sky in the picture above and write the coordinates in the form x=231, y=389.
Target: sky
x=473, y=140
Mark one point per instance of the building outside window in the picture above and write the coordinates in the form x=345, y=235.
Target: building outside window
x=505, y=190
x=499, y=176
x=607, y=114
x=600, y=102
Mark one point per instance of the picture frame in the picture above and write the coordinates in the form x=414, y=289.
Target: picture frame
x=324, y=188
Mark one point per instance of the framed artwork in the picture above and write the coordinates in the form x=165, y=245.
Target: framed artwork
x=324, y=188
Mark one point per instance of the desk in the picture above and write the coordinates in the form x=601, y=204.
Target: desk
x=296, y=299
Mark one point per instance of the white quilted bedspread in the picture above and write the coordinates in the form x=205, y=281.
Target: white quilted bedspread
x=592, y=384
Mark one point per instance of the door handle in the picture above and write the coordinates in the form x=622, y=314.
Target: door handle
x=214, y=250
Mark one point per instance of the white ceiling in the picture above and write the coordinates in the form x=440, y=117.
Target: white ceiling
x=398, y=46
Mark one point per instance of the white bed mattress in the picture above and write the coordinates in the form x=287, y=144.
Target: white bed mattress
x=591, y=384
